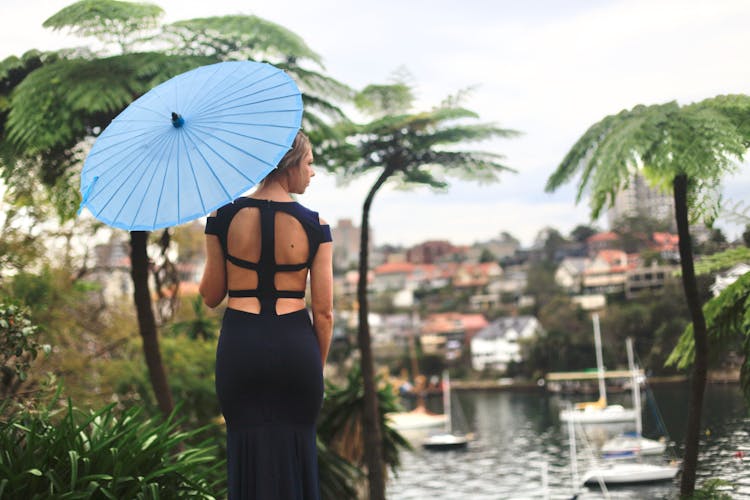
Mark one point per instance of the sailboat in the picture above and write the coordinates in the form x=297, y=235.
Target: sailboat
x=420, y=418
x=598, y=412
x=616, y=472
x=446, y=440
x=633, y=443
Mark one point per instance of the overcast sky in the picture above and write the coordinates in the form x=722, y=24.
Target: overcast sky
x=549, y=69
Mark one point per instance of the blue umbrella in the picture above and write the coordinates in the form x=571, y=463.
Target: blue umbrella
x=191, y=145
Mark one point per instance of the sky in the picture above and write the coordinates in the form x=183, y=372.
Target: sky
x=548, y=69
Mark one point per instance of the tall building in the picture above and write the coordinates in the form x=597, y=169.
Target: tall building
x=346, y=244
x=639, y=199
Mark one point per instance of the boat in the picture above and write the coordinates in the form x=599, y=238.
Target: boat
x=633, y=443
x=416, y=419
x=598, y=412
x=620, y=474
x=420, y=418
x=446, y=440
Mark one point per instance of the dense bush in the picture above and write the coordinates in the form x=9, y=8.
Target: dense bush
x=104, y=454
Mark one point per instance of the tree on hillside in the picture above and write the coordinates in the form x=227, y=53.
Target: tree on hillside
x=687, y=149
x=59, y=102
x=582, y=232
x=410, y=149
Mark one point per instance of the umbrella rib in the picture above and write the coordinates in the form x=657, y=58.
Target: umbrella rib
x=132, y=172
x=150, y=181
x=210, y=168
x=109, y=144
x=124, y=152
x=241, y=105
x=229, y=91
x=195, y=177
x=104, y=181
x=168, y=150
x=259, y=139
x=221, y=104
x=274, y=111
x=199, y=90
x=234, y=147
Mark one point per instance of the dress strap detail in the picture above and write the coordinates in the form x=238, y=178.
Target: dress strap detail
x=246, y=264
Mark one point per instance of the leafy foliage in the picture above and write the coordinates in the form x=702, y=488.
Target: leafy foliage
x=107, y=19
x=18, y=344
x=340, y=423
x=702, y=141
x=103, y=454
x=727, y=317
x=202, y=326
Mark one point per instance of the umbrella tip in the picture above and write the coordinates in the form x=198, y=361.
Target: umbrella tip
x=177, y=120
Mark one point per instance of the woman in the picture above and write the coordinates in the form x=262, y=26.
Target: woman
x=270, y=356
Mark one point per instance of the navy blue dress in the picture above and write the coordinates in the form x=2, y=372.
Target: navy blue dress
x=269, y=377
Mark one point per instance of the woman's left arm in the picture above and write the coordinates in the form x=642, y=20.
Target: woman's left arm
x=321, y=291
x=213, y=287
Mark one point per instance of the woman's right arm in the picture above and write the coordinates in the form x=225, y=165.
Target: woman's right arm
x=213, y=287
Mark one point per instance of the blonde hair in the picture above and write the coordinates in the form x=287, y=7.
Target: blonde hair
x=294, y=156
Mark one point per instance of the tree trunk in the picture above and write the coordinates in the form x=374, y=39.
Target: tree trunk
x=373, y=441
x=147, y=322
x=700, y=367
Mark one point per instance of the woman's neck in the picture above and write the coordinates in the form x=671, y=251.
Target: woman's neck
x=273, y=191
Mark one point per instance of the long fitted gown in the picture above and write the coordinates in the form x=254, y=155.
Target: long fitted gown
x=269, y=376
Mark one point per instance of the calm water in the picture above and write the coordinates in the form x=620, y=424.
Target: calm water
x=520, y=441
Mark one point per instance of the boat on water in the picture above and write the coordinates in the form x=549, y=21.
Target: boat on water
x=416, y=419
x=447, y=440
x=620, y=474
x=609, y=472
x=633, y=443
x=598, y=412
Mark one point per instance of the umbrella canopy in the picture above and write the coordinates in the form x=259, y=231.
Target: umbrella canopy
x=191, y=145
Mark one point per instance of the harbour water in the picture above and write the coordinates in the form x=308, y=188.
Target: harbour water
x=521, y=449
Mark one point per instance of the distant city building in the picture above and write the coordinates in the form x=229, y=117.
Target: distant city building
x=639, y=199
x=607, y=272
x=346, y=247
x=607, y=240
x=649, y=278
x=429, y=252
x=498, y=344
x=446, y=334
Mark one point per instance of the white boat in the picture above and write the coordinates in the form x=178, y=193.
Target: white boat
x=619, y=473
x=446, y=440
x=598, y=412
x=633, y=443
x=416, y=419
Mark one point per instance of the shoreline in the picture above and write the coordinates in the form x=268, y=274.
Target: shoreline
x=714, y=377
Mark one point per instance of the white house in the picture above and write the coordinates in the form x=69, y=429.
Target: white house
x=725, y=279
x=498, y=344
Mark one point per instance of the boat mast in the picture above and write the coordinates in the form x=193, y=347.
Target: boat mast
x=599, y=361
x=636, y=386
x=447, y=402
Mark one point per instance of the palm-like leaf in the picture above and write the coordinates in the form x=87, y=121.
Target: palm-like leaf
x=107, y=19
x=702, y=141
x=340, y=424
x=59, y=104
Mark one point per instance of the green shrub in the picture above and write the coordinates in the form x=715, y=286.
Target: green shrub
x=104, y=454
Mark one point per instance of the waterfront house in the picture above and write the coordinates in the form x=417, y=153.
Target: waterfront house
x=498, y=344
